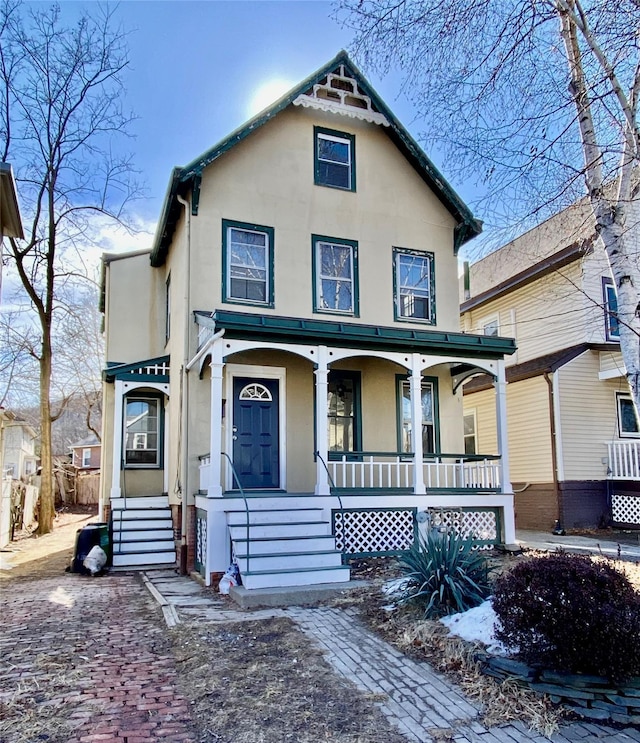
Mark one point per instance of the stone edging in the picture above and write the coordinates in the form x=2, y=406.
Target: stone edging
x=592, y=697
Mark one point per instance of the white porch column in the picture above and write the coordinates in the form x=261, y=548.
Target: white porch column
x=214, y=488
x=322, y=411
x=416, y=424
x=118, y=429
x=501, y=421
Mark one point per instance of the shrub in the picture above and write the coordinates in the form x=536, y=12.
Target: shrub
x=572, y=614
x=444, y=574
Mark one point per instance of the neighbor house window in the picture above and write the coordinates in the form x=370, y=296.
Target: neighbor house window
x=470, y=433
x=86, y=457
x=142, y=431
x=334, y=159
x=343, y=414
x=429, y=404
x=627, y=418
x=610, y=301
x=247, y=252
x=491, y=326
x=335, y=268
x=414, y=284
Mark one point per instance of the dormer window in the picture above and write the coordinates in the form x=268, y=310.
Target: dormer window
x=334, y=159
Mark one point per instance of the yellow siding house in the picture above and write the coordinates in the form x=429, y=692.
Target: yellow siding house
x=284, y=366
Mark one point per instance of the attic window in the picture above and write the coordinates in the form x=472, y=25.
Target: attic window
x=334, y=159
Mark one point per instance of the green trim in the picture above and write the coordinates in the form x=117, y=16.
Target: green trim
x=356, y=378
x=269, y=231
x=127, y=371
x=184, y=179
x=352, y=157
x=353, y=244
x=400, y=380
x=397, y=316
x=280, y=329
x=384, y=553
x=201, y=515
x=496, y=510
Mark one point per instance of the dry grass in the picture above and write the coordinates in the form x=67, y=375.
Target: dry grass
x=264, y=682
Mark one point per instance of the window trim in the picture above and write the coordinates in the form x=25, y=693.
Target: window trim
x=334, y=134
x=607, y=287
x=397, y=315
x=353, y=244
x=86, y=461
x=356, y=378
x=141, y=395
x=402, y=379
x=624, y=434
x=227, y=298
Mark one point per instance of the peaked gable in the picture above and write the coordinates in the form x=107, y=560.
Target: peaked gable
x=340, y=87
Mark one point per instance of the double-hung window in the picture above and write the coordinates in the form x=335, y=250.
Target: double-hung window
x=627, y=418
x=335, y=268
x=142, y=431
x=334, y=159
x=429, y=406
x=611, y=323
x=247, y=252
x=414, y=283
x=86, y=458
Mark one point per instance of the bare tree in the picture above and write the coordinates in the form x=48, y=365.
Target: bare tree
x=60, y=108
x=538, y=99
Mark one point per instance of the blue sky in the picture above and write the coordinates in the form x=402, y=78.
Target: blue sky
x=196, y=66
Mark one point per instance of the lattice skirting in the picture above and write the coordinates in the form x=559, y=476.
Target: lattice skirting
x=366, y=532
x=483, y=524
x=201, y=540
x=625, y=509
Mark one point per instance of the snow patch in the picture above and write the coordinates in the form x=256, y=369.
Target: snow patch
x=477, y=625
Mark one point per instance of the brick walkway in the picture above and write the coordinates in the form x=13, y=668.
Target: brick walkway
x=88, y=660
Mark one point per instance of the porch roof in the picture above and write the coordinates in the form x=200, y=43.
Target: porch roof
x=274, y=328
x=147, y=370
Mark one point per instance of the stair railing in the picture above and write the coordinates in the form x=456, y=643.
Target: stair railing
x=244, y=498
x=337, y=495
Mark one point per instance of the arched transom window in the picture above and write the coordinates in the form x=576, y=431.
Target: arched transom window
x=255, y=391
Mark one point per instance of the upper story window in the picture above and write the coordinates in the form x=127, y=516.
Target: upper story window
x=491, y=326
x=247, y=255
x=610, y=302
x=335, y=280
x=627, y=418
x=142, y=431
x=414, y=285
x=334, y=159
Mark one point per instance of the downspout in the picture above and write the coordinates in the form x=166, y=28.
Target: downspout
x=184, y=412
x=557, y=529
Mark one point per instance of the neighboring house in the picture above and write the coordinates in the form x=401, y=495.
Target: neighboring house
x=19, y=457
x=573, y=433
x=10, y=220
x=297, y=316
x=85, y=454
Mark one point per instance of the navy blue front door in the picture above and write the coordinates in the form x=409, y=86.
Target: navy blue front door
x=255, y=432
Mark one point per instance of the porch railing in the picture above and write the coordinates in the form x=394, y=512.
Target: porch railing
x=624, y=460
x=391, y=470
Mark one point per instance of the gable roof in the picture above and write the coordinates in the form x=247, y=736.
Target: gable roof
x=184, y=179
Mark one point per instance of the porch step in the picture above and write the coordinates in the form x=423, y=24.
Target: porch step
x=144, y=501
x=290, y=545
x=284, y=560
x=146, y=524
x=281, y=529
x=144, y=559
x=275, y=515
x=151, y=544
x=295, y=577
x=142, y=532
x=141, y=513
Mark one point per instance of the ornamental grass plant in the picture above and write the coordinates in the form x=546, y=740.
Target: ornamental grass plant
x=444, y=574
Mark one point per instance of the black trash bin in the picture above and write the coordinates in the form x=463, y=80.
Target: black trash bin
x=87, y=538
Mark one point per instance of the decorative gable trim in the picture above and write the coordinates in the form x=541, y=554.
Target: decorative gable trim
x=149, y=370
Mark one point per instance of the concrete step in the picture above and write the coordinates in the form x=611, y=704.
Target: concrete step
x=273, y=502
x=131, y=535
x=267, y=545
x=284, y=560
x=141, y=513
x=275, y=530
x=146, y=501
x=144, y=559
x=145, y=545
x=145, y=524
x=292, y=577
x=276, y=515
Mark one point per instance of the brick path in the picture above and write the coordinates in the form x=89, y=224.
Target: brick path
x=90, y=655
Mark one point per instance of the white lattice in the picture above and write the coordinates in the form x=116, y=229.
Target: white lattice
x=374, y=531
x=201, y=538
x=626, y=509
x=482, y=525
x=154, y=370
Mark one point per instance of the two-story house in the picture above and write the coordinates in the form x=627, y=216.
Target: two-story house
x=86, y=453
x=284, y=367
x=573, y=432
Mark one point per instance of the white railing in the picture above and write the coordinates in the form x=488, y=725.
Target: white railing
x=205, y=467
x=461, y=474
x=624, y=460
x=371, y=471
x=389, y=471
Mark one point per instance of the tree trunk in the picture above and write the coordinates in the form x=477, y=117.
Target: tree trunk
x=46, y=508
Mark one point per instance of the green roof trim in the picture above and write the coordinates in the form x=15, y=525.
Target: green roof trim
x=187, y=178
x=244, y=325
x=117, y=370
